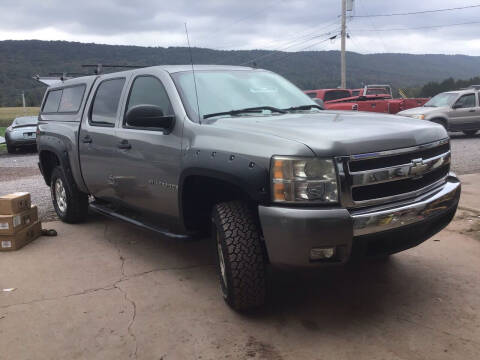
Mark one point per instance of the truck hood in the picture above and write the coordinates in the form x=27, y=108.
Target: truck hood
x=422, y=110
x=334, y=133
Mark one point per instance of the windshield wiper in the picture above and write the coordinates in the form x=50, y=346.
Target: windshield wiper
x=246, y=110
x=303, y=107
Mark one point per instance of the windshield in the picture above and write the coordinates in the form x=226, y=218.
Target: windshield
x=24, y=121
x=443, y=99
x=226, y=90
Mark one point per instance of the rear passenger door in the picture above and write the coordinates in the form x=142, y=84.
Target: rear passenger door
x=97, y=141
x=147, y=169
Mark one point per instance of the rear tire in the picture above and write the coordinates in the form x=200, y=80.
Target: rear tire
x=71, y=205
x=470, y=132
x=240, y=255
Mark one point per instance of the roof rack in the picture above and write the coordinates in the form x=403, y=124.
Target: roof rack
x=99, y=67
x=58, y=77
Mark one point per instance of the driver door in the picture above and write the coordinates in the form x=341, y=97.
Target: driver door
x=464, y=112
x=147, y=167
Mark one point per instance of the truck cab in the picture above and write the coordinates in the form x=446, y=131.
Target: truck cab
x=245, y=156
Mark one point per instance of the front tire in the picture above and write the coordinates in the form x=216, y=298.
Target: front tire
x=240, y=255
x=71, y=205
x=470, y=132
x=10, y=149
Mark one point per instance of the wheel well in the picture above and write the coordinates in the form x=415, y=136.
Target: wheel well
x=440, y=121
x=48, y=161
x=201, y=193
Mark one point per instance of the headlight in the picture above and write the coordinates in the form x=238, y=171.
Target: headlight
x=307, y=180
x=420, y=117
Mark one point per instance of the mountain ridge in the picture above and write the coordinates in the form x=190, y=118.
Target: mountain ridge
x=21, y=59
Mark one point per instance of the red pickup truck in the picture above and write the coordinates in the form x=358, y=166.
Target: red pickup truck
x=374, y=98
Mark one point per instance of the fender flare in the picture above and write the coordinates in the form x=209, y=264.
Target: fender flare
x=53, y=145
x=238, y=170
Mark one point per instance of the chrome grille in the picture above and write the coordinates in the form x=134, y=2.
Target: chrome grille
x=388, y=176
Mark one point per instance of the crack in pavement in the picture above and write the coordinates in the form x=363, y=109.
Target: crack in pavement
x=113, y=286
x=132, y=320
x=104, y=288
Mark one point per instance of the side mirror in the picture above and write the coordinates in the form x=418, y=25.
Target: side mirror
x=149, y=117
x=456, y=106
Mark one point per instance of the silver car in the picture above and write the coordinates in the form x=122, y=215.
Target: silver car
x=22, y=132
x=455, y=110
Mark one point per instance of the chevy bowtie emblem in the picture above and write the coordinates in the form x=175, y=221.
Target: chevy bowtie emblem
x=418, y=167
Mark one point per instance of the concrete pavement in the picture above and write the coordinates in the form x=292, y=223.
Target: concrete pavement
x=106, y=290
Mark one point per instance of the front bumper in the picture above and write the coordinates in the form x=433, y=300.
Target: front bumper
x=291, y=233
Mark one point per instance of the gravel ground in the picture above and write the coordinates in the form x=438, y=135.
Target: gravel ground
x=20, y=172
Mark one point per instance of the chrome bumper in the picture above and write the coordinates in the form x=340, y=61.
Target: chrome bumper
x=422, y=208
x=290, y=233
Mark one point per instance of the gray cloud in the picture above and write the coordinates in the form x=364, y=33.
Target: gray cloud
x=225, y=24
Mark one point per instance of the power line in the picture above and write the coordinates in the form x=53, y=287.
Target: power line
x=302, y=49
x=287, y=41
x=290, y=46
x=417, y=12
x=379, y=38
x=421, y=27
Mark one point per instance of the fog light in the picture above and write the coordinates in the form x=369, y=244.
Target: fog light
x=322, y=254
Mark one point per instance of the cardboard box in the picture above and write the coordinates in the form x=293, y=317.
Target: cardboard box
x=11, y=224
x=21, y=238
x=14, y=203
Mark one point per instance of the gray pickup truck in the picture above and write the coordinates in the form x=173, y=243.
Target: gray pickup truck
x=245, y=155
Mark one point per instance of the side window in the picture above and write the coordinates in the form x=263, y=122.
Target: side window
x=466, y=101
x=105, y=103
x=71, y=99
x=312, y=95
x=53, y=101
x=148, y=90
x=336, y=94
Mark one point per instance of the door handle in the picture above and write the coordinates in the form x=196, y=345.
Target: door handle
x=87, y=139
x=471, y=110
x=124, y=144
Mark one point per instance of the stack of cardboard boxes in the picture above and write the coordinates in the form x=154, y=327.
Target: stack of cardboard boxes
x=19, y=223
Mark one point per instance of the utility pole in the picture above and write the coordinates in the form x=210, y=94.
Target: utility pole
x=23, y=100
x=343, y=65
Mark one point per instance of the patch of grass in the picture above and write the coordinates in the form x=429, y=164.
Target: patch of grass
x=7, y=114
x=2, y=133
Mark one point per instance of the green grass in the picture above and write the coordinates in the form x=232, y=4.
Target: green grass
x=2, y=133
x=7, y=114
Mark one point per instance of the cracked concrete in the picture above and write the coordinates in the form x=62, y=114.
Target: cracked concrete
x=106, y=290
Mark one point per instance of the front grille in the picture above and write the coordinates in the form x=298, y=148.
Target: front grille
x=381, y=162
x=383, y=177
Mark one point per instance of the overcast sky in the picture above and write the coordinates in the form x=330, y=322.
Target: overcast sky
x=288, y=25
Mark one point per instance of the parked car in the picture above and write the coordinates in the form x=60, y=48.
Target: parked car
x=454, y=110
x=372, y=98
x=21, y=133
x=245, y=155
